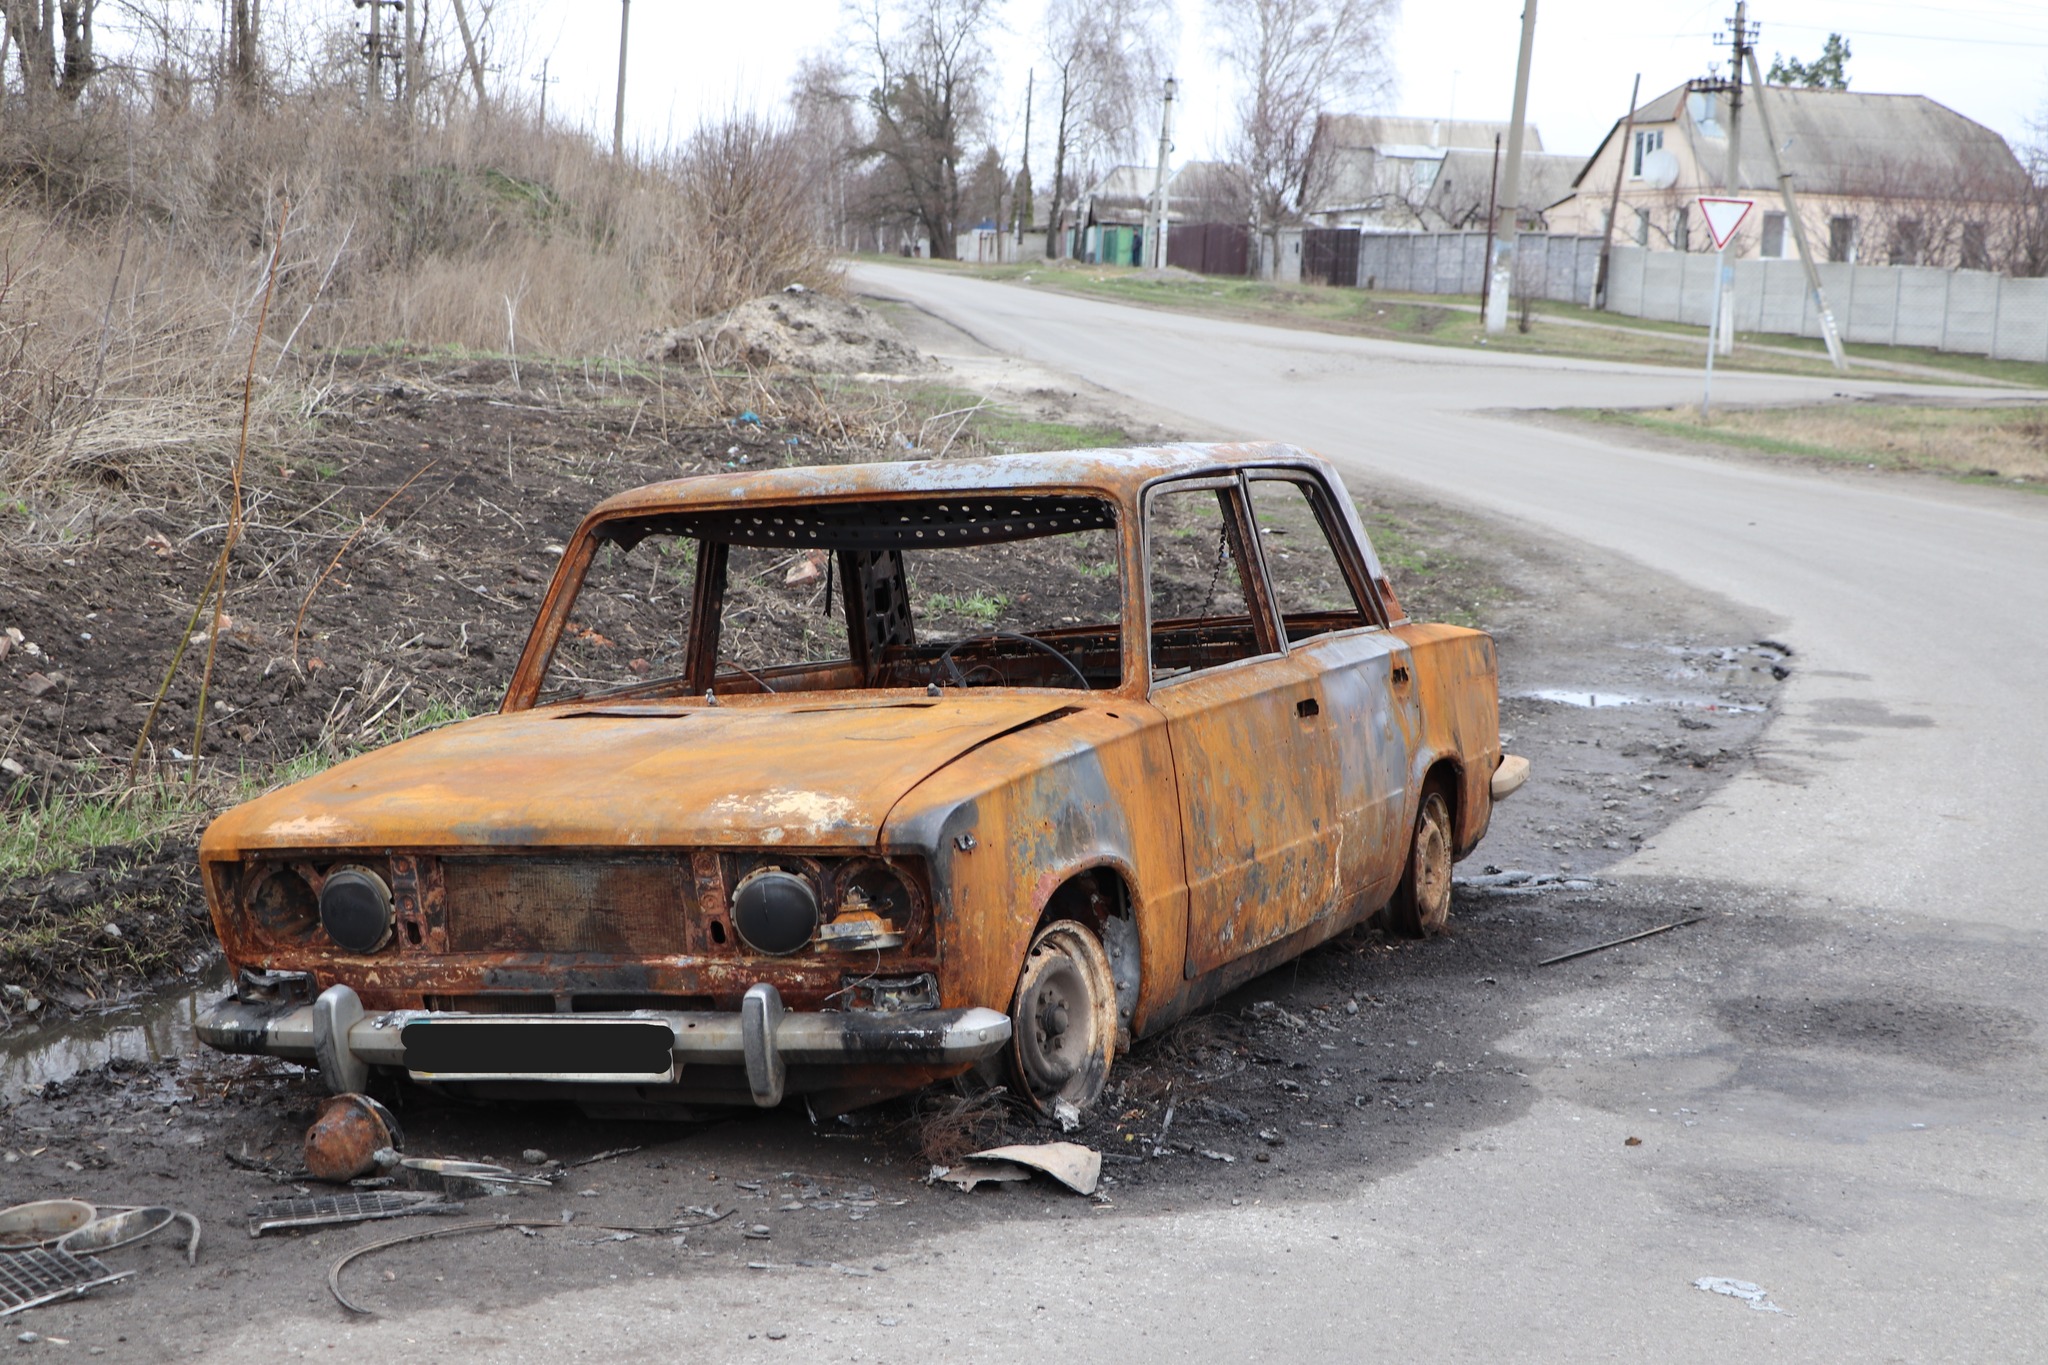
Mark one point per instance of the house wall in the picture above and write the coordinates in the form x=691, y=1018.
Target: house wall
x=1972, y=312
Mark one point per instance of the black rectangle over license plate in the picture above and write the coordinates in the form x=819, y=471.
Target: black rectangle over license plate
x=533, y=1048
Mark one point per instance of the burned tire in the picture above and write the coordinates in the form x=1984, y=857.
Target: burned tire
x=1063, y=1019
x=1422, y=903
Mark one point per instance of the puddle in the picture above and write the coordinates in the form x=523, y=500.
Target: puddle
x=152, y=1029
x=1565, y=696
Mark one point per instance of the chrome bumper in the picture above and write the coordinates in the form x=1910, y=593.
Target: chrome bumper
x=763, y=1038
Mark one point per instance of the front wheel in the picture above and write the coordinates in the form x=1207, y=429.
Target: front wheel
x=1063, y=1018
x=1422, y=903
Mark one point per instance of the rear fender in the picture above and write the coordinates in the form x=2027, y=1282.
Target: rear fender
x=1457, y=696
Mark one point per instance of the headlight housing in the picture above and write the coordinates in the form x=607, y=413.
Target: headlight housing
x=355, y=909
x=775, y=912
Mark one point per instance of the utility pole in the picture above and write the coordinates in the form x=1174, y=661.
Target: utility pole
x=1741, y=38
x=1628, y=132
x=619, y=108
x=1158, y=242
x=1828, y=333
x=1492, y=198
x=544, y=80
x=1020, y=213
x=376, y=51
x=1503, y=263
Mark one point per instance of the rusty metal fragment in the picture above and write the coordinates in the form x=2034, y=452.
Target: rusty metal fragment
x=352, y=1136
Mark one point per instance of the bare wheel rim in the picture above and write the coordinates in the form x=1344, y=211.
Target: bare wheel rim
x=1063, y=1018
x=1432, y=869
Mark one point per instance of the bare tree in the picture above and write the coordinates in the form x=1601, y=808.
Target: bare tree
x=925, y=64
x=1295, y=59
x=33, y=26
x=1108, y=59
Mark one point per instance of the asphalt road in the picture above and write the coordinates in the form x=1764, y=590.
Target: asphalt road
x=1848, y=1111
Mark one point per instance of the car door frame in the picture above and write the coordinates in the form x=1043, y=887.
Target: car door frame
x=1374, y=778
x=1219, y=934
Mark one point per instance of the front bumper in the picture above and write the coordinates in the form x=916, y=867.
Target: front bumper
x=762, y=1039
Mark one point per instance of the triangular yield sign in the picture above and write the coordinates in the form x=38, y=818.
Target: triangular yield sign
x=1724, y=216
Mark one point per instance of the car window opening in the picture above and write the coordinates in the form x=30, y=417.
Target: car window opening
x=1196, y=575
x=984, y=591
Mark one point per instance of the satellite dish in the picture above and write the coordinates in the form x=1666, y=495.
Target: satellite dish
x=1660, y=168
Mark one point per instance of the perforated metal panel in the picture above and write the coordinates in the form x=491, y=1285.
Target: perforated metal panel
x=28, y=1278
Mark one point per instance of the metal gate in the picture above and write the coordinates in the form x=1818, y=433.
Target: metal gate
x=1329, y=256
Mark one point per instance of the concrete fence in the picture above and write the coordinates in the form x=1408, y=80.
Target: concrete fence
x=1548, y=265
x=1971, y=312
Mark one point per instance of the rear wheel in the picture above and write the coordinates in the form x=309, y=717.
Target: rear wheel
x=1063, y=1018
x=1422, y=903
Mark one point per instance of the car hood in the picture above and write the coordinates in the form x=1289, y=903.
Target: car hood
x=744, y=774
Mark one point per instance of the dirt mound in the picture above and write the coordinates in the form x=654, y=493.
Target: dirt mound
x=798, y=330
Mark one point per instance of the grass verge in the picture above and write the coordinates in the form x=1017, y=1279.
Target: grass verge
x=2005, y=445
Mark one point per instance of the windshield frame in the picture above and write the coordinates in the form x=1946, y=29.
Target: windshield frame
x=523, y=692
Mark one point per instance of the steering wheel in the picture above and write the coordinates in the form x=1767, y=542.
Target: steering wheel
x=945, y=660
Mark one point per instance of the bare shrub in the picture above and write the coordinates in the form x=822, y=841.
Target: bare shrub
x=133, y=237
x=746, y=225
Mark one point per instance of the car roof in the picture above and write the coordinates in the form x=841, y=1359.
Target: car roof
x=1117, y=472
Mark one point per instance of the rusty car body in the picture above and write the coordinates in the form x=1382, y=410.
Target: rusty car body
x=755, y=820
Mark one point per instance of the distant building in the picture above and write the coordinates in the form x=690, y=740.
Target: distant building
x=1381, y=173
x=1110, y=217
x=1881, y=179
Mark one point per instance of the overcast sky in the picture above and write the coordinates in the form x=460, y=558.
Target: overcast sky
x=1987, y=59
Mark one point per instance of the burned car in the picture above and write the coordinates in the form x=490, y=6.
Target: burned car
x=833, y=782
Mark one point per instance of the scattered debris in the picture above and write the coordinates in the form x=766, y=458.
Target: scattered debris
x=601, y=1156
x=126, y=1227
x=1078, y=1168
x=33, y=1277
x=458, y=1229
x=322, y=1210
x=351, y=1136
x=1617, y=942
x=1515, y=882
x=488, y=1178
x=1754, y=1295
x=42, y=1222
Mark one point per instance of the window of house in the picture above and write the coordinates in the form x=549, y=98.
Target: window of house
x=1681, y=228
x=1195, y=575
x=1976, y=252
x=1774, y=235
x=1647, y=140
x=1841, y=238
x=1642, y=227
x=1310, y=587
x=1909, y=242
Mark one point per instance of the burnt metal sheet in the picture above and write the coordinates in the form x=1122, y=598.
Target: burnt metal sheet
x=748, y=772
x=592, y=904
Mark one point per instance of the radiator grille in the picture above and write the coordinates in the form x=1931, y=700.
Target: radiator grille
x=626, y=906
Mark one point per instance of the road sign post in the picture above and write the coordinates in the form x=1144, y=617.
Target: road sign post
x=1723, y=215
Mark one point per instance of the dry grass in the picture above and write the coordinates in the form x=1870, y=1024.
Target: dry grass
x=2007, y=442
x=133, y=243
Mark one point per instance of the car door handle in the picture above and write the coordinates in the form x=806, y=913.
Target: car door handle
x=1308, y=708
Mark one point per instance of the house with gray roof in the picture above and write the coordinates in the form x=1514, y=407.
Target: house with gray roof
x=1881, y=179
x=1383, y=173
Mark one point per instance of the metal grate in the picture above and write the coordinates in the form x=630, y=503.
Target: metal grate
x=320, y=1210
x=28, y=1278
x=627, y=906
